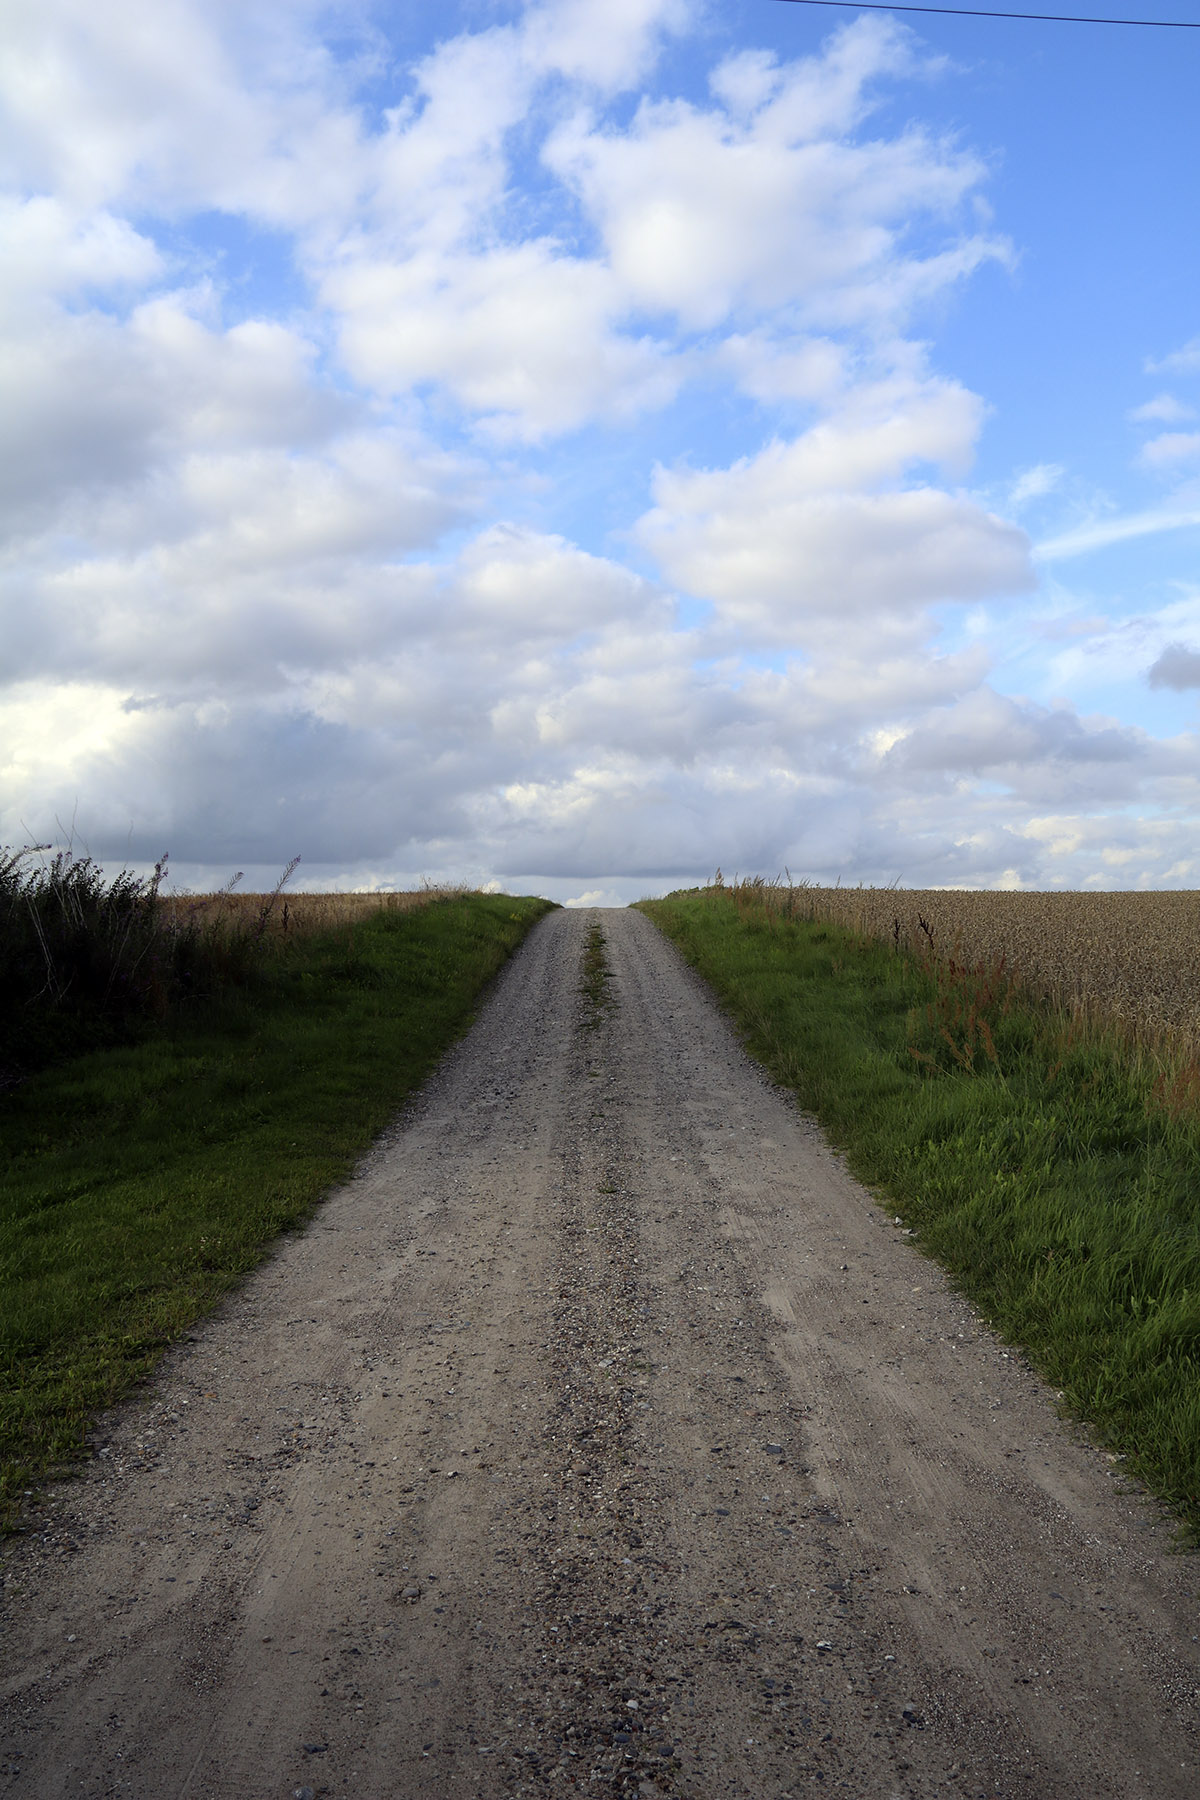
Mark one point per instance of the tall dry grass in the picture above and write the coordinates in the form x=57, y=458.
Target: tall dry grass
x=300, y=915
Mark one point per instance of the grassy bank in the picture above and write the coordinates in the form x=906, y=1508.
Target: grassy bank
x=143, y=1181
x=1045, y=1163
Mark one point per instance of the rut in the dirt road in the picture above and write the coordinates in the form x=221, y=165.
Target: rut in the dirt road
x=604, y=1437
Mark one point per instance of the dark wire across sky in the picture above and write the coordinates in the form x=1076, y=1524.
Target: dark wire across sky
x=974, y=12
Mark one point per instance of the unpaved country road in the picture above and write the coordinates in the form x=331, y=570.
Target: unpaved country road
x=603, y=1436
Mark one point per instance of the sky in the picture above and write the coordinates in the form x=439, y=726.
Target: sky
x=576, y=446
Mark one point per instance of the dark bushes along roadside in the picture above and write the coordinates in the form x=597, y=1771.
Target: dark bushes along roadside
x=86, y=961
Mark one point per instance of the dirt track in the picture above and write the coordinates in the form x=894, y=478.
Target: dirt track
x=602, y=1435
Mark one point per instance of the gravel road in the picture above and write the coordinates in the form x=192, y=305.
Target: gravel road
x=602, y=1435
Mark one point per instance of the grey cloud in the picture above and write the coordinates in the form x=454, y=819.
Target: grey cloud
x=671, y=825
x=236, y=574
x=1177, y=667
x=245, y=786
x=987, y=733
x=75, y=415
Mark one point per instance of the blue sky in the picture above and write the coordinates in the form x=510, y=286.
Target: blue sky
x=575, y=445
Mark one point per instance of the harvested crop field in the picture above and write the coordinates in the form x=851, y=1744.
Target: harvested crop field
x=1133, y=957
x=303, y=913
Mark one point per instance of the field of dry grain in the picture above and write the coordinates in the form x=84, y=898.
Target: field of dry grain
x=1133, y=957
x=303, y=914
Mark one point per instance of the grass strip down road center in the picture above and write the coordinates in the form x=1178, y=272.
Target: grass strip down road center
x=142, y=1182
x=1043, y=1165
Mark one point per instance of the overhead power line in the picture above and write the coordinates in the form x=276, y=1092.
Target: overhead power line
x=974, y=12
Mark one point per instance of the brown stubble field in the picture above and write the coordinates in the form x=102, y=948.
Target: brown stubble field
x=281, y=913
x=1129, y=957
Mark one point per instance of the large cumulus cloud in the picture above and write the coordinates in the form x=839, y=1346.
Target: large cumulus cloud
x=320, y=359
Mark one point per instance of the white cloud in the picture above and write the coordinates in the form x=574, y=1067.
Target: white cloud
x=175, y=107
x=704, y=214
x=521, y=336
x=816, y=95
x=439, y=169
x=97, y=382
x=431, y=291
x=1115, y=849
x=787, y=367
x=609, y=47
x=1034, y=483
x=697, y=215
x=234, y=566
x=1098, y=534
x=1164, y=409
x=51, y=254
x=827, y=564
x=1185, y=361
x=253, y=383
x=49, y=731
x=595, y=897
x=524, y=587
x=813, y=537
x=1170, y=449
x=745, y=82
x=74, y=404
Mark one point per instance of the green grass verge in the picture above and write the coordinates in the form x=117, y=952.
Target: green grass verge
x=142, y=1182
x=1040, y=1165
